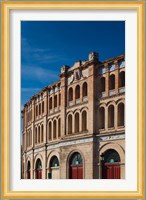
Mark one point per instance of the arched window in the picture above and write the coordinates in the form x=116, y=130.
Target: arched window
x=28, y=170
x=39, y=109
x=77, y=123
x=70, y=94
x=85, y=89
x=50, y=103
x=111, y=156
x=84, y=121
x=54, y=162
x=42, y=133
x=50, y=131
x=43, y=107
x=39, y=134
x=101, y=118
x=121, y=114
x=59, y=99
x=102, y=84
x=36, y=111
x=111, y=116
x=54, y=129
x=36, y=135
x=112, y=82
x=122, y=79
x=77, y=92
x=55, y=101
x=38, y=169
x=70, y=124
x=30, y=138
x=59, y=127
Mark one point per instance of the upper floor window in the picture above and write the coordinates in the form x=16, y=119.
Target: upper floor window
x=70, y=94
x=112, y=67
x=77, y=92
x=121, y=63
x=112, y=82
x=102, y=84
x=85, y=89
x=102, y=70
x=122, y=79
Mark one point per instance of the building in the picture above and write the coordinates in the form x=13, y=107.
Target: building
x=75, y=127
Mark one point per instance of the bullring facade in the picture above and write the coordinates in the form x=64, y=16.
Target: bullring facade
x=75, y=127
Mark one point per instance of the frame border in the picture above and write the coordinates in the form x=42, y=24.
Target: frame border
x=128, y=5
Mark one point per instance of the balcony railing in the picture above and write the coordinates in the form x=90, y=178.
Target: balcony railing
x=85, y=99
x=122, y=90
x=103, y=94
x=77, y=101
x=112, y=92
x=71, y=103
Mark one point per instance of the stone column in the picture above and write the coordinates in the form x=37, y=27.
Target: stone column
x=107, y=80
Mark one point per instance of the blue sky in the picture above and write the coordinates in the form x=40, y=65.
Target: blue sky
x=47, y=45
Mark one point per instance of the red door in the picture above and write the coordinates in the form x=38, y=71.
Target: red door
x=76, y=171
x=39, y=174
x=111, y=171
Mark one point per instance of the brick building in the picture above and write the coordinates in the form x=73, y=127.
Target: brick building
x=75, y=127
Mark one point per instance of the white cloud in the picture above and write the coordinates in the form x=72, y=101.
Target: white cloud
x=40, y=74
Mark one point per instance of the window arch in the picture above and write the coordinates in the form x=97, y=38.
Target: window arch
x=70, y=124
x=42, y=133
x=112, y=82
x=50, y=131
x=102, y=84
x=59, y=127
x=70, y=94
x=122, y=79
x=77, y=92
x=54, y=129
x=101, y=118
x=76, y=159
x=77, y=123
x=111, y=116
x=84, y=121
x=111, y=156
x=85, y=89
x=54, y=162
x=121, y=114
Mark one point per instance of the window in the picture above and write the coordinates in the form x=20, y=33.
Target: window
x=54, y=129
x=77, y=92
x=59, y=127
x=70, y=94
x=84, y=120
x=102, y=84
x=121, y=114
x=85, y=89
x=43, y=107
x=101, y=118
x=70, y=124
x=122, y=79
x=111, y=116
x=50, y=103
x=55, y=101
x=112, y=82
x=50, y=131
x=76, y=122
